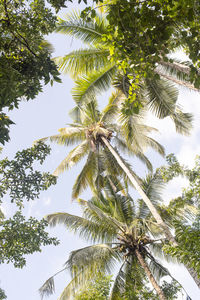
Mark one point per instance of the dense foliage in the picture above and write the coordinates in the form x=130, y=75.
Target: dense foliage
x=145, y=32
x=18, y=177
x=187, y=233
x=97, y=289
x=19, y=237
x=25, y=62
x=20, y=182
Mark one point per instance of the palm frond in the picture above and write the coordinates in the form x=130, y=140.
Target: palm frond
x=82, y=61
x=150, y=142
x=72, y=158
x=89, y=112
x=48, y=288
x=156, y=250
x=77, y=282
x=93, y=84
x=86, y=176
x=145, y=160
x=87, y=229
x=118, y=287
x=112, y=109
x=156, y=268
x=153, y=186
x=92, y=258
x=162, y=96
x=67, y=136
x=182, y=121
x=88, y=32
x=135, y=133
x=97, y=215
x=121, y=82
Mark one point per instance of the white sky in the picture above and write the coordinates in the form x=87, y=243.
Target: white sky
x=42, y=117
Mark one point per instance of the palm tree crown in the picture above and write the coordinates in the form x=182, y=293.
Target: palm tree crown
x=125, y=233
x=90, y=126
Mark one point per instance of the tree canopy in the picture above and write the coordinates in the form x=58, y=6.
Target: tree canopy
x=143, y=33
x=21, y=183
x=25, y=57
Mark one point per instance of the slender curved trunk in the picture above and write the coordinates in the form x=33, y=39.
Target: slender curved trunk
x=194, y=275
x=149, y=204
x=150, y=275
x=177, y=81
x=175, y=65
x=147, y=201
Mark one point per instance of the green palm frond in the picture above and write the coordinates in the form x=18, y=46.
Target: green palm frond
x=182, y=121
x=112, y=109
x=123, y=208
x=67, y=136
x=145, y=160
x=162, y=96
x=85, y=178
x=118, y=287
x=92, y=258
x=150, y=142
x=72, y=158
x=88, y=32
x=95, y=83
x=89, y=112
x=156, y=250
x=83, y=61
x=79, y=281
x=131, y=130
x=75, y=114
x=121, y=82
x=153, y=186
x=157, y=269
x=88, y=229
x=48, y=288
x=96, y=214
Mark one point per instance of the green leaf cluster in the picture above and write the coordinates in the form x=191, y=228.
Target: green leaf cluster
x=25, y=57
x=97, y=289
x=18, y=177
x=19, y=180
x=143, y=33
x=19, y=237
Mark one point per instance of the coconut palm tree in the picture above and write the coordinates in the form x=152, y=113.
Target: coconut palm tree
x=126, y=233
x=94, y=72
x=93, y=130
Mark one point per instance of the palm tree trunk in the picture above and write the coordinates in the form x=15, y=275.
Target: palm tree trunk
x=177, y=81
x=147, y=201
x=150, y=275
x=149, y=204
x=193, y=274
